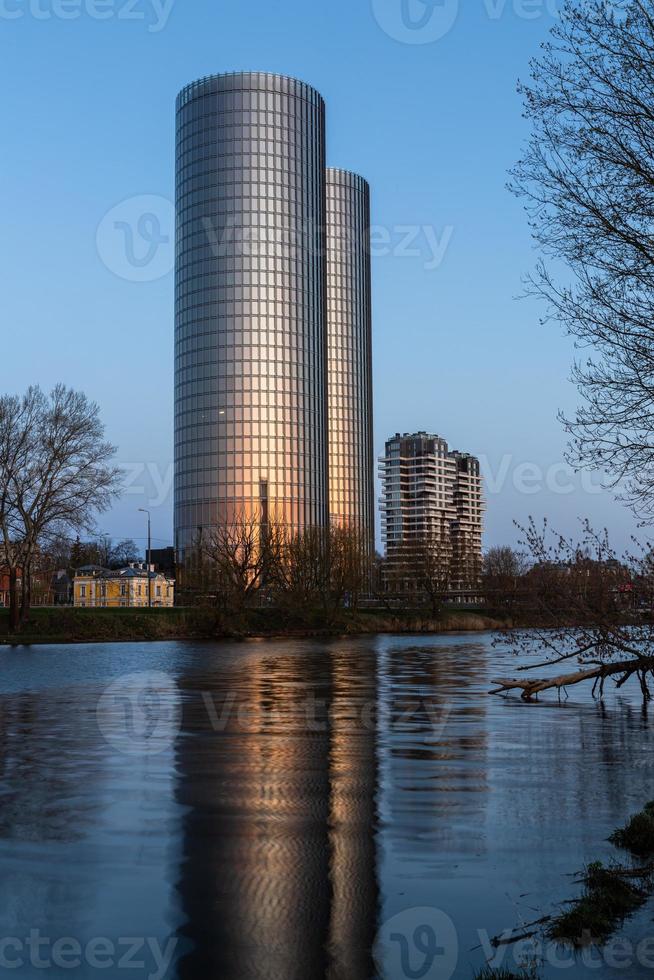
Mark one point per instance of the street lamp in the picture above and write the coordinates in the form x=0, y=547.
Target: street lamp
x=142, y=510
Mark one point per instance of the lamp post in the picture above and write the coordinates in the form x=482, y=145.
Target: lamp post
x=142, y=510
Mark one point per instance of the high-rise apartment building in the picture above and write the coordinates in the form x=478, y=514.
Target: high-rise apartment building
x=431, y=498
x=467, y=528
x=258, y=330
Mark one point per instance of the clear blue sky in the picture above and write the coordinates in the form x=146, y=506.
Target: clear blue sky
x=88, y=122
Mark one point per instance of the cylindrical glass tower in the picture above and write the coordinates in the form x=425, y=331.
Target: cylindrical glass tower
x=250, y=331
x=349, y=359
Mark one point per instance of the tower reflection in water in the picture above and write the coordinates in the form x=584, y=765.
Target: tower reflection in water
x=278, y=873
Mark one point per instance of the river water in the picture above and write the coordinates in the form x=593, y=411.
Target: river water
x=348, y=809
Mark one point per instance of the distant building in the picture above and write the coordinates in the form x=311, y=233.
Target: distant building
x=468, y=526
x=46, y=588
x=431, y=496
x=98, y=587
x=163, y=560
x=4, y=586
x=61, y=587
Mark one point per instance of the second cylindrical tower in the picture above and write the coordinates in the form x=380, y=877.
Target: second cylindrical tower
x=349, y=358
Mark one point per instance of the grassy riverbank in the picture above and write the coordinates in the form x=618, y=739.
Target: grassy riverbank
x=611, y=894
x=65, y=625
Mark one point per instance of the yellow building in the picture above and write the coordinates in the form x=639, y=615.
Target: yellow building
x=97, y=587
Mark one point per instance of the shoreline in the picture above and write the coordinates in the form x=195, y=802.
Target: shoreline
x=52, y=626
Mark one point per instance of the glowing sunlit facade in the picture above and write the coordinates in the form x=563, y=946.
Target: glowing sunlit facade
x=349, y=357
x=250, y=319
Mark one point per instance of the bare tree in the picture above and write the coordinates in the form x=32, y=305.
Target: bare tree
x=350, y=568
x=299, y=570
x=585, y=603
x=587, y=177
x=424, y=568
x=76, y=553
x=104, y=547
x=56, y=474
x=196, y=575
x=436, y=568
x=301, y=577
x=18, y=422
x=239, y=556
x=503, y=572
x=124, y=552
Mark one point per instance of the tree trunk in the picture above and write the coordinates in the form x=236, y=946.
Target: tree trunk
x=26, y=595
x=599, y=673
x=14, y=612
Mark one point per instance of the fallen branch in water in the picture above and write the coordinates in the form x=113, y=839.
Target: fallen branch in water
x=530, y=687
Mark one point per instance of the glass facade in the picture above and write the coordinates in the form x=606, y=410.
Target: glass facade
x=250, y=318
x=349, y=358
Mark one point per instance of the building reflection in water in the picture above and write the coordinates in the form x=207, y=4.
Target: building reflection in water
x=277, y=877
x=433, y=747
x=85, y=830
x=433, y=776
x=44, y=748
x=336, y=785
x=353, y=800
